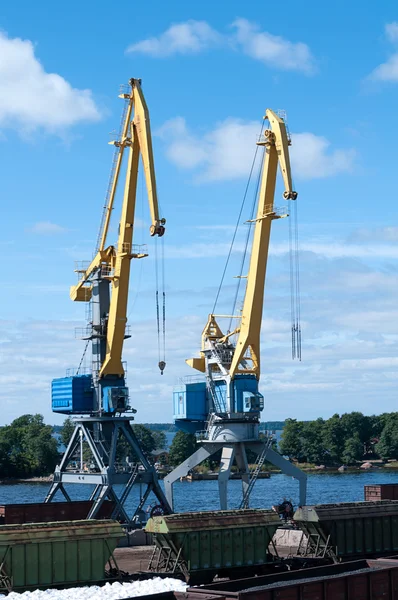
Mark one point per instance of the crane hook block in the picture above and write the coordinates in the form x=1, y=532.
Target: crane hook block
x=162, y=365
x=158, y=228
x=290, y=195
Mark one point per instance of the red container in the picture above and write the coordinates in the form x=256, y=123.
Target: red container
x=14, y=514
x=382, y=491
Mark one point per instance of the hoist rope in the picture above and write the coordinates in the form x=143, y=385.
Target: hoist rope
x=164, y=303
x=161, y=329
x=157, y=295
x=237, y=223
x=292, y=287
x=294, y=267
x=82, y=358
x=249, y=229
x=298, y=300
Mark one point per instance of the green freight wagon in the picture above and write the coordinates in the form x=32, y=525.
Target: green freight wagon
x=200, y=545
x=348, y=530
x=65, y=553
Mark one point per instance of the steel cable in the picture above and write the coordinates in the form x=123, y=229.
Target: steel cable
x=237, y=223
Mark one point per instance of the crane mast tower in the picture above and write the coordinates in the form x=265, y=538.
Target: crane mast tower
x=228, y=401
x=101, y=397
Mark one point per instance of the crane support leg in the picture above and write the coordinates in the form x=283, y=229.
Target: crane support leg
x=227, y=458
x=241, y=461
x=287, y=468
x=102, y=436
x=183, y=469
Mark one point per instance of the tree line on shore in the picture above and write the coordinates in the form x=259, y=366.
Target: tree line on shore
x=341, y=440
x=29, y=447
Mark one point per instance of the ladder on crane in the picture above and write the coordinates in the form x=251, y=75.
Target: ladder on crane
x=218, y=400
x=126, y=491
x=255, y=473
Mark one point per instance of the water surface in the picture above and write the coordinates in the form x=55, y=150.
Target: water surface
x=203, y=495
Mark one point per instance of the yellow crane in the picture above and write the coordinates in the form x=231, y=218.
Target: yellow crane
x=229, y=401
x=103, y=394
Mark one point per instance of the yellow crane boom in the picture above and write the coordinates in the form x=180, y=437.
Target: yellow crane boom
x=276, y=142
x=114, y=262
x=246, y=354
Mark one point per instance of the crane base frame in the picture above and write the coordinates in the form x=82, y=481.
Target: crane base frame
x=231, y=451
x=106, y=474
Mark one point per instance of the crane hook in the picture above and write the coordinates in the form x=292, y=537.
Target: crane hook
x=162, y=365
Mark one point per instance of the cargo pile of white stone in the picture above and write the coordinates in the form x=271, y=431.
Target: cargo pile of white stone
x=110, y=591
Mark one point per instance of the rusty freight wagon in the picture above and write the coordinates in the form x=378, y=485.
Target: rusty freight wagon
x=358, y=580
x=41, y=512
x=381, y=491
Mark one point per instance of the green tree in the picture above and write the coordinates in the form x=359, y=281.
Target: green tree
x=334, y=439
x=182, y=446
x=68, y=428
x=313, y=442
x=357, y=423
x=28, y=446
x=160, y=440
x=291, y=443
x=145, y=438
x=388, y=444
x=353, y=450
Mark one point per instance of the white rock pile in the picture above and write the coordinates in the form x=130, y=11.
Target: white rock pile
x=110, y=591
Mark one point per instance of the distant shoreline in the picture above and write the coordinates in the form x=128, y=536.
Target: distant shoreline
x=8, y=480
x=383, y=468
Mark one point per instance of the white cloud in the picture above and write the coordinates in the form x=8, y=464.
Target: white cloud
x=191, y=37
x=46, y=227
x=183, y=148
x=386, y=234
x=388, y=71
x=227, y=151
x=341, y=250
x=392, y=31
x=31, y=98
x=331, y=250
x=274, y=51
x=350, y=341
x=312, y=158
x=388, y=362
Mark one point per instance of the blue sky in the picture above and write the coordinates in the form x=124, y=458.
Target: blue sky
x=209, y=71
